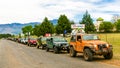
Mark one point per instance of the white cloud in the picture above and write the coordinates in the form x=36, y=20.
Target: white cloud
x=25, y=11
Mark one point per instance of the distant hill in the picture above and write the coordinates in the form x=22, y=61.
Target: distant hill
x=15, y=28
x=54, y=21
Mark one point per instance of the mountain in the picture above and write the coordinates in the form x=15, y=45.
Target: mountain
x=15, y=28
x=54, y=21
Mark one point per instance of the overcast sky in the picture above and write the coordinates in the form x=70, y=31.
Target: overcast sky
x=25, y=11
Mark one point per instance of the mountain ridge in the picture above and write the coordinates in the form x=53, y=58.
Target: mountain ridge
x=15, y=28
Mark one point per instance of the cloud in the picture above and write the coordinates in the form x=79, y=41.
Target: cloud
x=25, y=11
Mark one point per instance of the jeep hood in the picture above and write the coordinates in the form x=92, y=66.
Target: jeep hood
x=61, y=42
x=95, y=42
x=32, y=40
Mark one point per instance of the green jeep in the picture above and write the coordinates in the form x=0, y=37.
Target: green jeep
x=57, y=44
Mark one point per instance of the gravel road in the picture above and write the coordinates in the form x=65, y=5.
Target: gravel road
x=15, y=55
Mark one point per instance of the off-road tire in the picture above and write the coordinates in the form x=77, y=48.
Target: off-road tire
x=56, y=50
x=73, y=53
x=68, y=50
x=28, y=44
x=88, y=56
x=47, y=49
x=37, y=46
x=42, y=47
x=109, y=55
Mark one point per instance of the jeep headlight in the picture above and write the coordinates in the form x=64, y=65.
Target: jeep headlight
x=56, y=44
x=95, y=46
x=107, y=45
x=44, y=42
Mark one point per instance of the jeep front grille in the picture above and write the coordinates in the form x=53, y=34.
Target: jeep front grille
x=100, y=46
x=63, y=44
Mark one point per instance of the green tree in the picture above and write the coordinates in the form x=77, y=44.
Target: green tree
x=37, y=30
x=117, y=25
x=87, y=20
x=46, y=27
x=72, y=22
x=106, y=27
x=19, y=35
x=5, y=35
x=63, y=24
x=27, y=29
x=100, y=19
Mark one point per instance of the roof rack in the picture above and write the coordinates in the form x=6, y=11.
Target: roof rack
x=77, y=31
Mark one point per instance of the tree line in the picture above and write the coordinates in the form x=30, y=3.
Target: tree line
x=5, y=35
x=64, y=26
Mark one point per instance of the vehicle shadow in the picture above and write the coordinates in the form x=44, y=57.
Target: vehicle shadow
x=80, y=57
x=95, y=58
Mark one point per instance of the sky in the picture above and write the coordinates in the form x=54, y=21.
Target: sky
x=25, y=11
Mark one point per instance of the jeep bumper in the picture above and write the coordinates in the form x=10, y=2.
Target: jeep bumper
x=102, y=51
x=64, y=47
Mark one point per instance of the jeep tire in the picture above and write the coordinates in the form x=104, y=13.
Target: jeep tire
x=28, y=44
x=88, y=56
x=68, y=50
x=42, y=47
x=56, y=50
x=108, y=55
x=37, y=46
x=47, y=49
x=73, y=53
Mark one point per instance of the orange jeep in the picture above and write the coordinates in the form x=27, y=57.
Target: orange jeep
x=89, y=45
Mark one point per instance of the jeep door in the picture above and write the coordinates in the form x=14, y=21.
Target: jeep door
x=79, y=43
x=51, y=43
x=73, y=41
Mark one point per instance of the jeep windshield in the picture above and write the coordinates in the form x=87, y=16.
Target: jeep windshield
x=90, y=37
x=59, y=39
x=32, y=39
x=44, y=39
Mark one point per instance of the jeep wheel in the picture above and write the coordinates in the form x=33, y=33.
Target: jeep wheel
x=28, y=44
x=47, y=49
x=42, y=47
x=109, y=55
x=73, y=53
x=88, y=56
x=68, y=50
x=37, y=46
x=56, y=50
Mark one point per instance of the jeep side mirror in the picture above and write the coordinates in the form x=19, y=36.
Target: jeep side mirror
x=99, y=39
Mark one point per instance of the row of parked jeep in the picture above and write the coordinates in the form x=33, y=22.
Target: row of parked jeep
x=88, y=44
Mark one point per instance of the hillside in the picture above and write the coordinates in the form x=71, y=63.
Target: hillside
x=15, y=28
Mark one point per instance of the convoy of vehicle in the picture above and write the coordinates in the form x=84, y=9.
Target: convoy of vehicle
x=87, y=44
